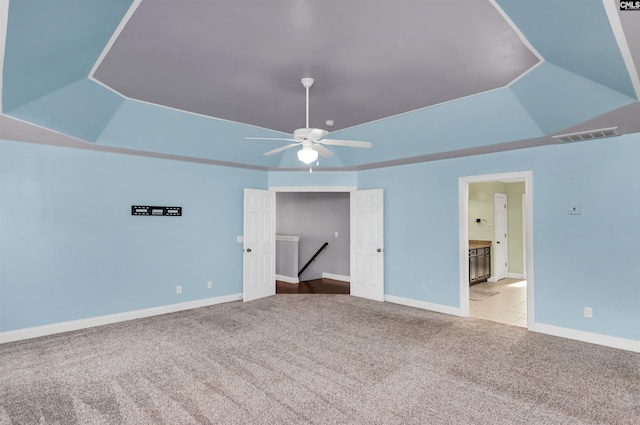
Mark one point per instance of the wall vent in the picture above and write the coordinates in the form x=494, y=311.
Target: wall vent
x=587, y=135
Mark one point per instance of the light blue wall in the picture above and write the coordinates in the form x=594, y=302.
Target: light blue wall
x=147, y=127
x=556, y=98
x=585, y=260
x=488, y=118
x=81, y=109
x=574, y=35
x=70, y=249
x=51, y=44
x=319, y=179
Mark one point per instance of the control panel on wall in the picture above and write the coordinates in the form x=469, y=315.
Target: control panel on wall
x=157, y=211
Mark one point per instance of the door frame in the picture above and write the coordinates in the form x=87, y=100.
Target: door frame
x=311, y=189
x=495, y=276
x=463, y=234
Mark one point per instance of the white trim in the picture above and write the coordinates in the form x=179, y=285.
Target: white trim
x=285, y=238
x=516, y=29
x=424, y=108
x=313, y=188
x=198, y=114
x=439, y=308
x=515, y=275
x=111, y=89
x=4, y=19
x=463, y=244
x=463, y=234
x=123, y=23
x=523, y=205
x=524, y=74
x=90, y=322
x=616, y=26
x=287, y=279
x=593, y=338
x=339, y=277
x=492, y=279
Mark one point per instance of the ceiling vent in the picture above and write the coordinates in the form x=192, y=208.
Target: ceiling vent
x=587, y=135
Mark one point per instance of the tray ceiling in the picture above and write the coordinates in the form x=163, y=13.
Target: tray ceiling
x=421, y=80
x=243, y=60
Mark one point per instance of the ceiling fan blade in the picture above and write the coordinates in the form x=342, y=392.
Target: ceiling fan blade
x=350, y=143
x=270, y=138
x=284, y=148
x=324, y=152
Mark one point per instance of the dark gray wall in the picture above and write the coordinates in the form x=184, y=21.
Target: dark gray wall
x=315, y=217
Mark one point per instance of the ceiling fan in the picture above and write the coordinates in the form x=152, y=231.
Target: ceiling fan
x=311, y=139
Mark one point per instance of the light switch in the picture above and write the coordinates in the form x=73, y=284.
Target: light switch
x=336, y=234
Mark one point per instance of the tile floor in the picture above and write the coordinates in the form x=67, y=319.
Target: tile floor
x=509, y=306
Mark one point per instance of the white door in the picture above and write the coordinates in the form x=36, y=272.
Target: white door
x=367, y=244
x=259, y=262
x=500, y=248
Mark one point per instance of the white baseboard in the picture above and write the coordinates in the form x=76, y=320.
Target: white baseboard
x=423, y=305
x=336, y=277
x=515, y=275
x=492, y=279
x=54, y=328
x=593, y=338
x=287, y=279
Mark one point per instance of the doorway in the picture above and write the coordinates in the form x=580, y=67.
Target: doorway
x=505, y=285
x=366, y=239
x=313, y=219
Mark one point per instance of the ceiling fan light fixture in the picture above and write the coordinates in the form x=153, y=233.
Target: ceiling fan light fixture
x=307, y=154
x=311, y=139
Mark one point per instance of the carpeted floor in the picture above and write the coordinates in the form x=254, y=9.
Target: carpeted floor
x=315, y=359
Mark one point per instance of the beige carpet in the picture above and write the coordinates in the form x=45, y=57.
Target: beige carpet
x=315, y=359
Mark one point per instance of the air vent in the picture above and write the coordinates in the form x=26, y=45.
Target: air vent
x=587, y=135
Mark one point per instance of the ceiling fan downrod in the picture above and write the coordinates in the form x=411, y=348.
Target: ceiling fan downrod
x=307, y=83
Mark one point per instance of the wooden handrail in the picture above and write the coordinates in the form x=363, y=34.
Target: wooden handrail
x=326, y=244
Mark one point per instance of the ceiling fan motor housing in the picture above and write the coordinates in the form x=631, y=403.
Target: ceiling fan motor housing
x=314, y=134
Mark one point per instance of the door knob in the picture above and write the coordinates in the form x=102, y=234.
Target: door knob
x=379, y=250
x=248, y=249
x=497, y=241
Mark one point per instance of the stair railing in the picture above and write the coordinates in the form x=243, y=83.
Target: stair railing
x=322, y=248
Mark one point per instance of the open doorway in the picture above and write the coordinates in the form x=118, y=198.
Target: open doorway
x=496, y=279
x=313, y=246
x=366, y=240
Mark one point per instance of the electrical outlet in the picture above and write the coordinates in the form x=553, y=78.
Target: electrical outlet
x=588, y=312
x=210, y=284
x=336, y=234
x=179, y=289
